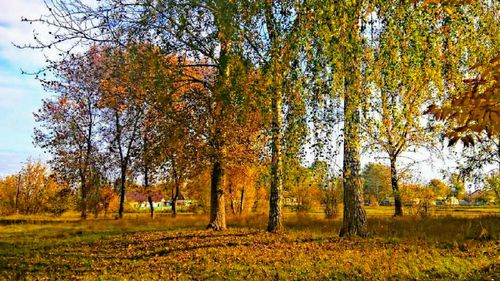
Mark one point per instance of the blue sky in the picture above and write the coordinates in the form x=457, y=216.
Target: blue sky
x=20, y=95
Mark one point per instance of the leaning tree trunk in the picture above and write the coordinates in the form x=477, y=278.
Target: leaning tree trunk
x=398, y=209
x=217, y=205
x=275, y=217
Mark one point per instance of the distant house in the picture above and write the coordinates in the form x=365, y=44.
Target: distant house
x=481, y=197
x=157, y=205
x=136, y=196
x=140, y=200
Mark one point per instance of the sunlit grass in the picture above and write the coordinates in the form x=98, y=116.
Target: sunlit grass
x=136, y=247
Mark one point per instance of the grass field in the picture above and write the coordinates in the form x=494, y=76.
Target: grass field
x=455, y=246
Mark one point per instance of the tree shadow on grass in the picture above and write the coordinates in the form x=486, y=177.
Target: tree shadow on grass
x=208, y=241
x=208, y=235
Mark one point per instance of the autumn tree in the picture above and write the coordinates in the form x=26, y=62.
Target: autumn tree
x=147, y=164
x=301, y=186
x=403, y=76
x=376, y=182
x=241, y=188
x=493, y=185
x=471, y=112
x=70, y=121
x=164, y=127
x=439, y=188
x=106, y=198
x=457, y=185
x=182, y=162
x=331, y=197
x=272, y=40
x=419, y=196
x=338, y=32
x=9, y=194
x=470, y=108
x=123, y=110
x=208, y=33
x=33, y=190
x=422, y=65
x=148, y=116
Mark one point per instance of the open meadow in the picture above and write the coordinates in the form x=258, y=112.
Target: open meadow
x=249, y=140
x=456, y=246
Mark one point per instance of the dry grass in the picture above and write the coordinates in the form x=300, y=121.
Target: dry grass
x=310, y=249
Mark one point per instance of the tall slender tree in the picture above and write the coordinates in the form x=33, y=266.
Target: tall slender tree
x=69, y=122
x=338, y=30
x=123, y=111
x=401, y=82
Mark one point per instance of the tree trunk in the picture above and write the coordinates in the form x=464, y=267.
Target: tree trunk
x=275, y=223
x=398, y=209
x=241, y=200
x=151, y=207
x=217, y=211
x=18, y=191
x=122, y=192
x=106, y=206
x=231, y=198
x=174, y=207
x=354, y=221
x=83, y=204
x=175, y=196
x=275, y=217
x=217, y=204
x=331, y=208
x=146, y=187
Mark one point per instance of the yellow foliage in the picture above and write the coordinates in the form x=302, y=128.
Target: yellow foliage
x=32, y=191
x=475, y=111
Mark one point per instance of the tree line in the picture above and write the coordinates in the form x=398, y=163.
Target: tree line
x=166, y=89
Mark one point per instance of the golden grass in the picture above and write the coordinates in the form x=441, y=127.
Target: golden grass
x=445, y=247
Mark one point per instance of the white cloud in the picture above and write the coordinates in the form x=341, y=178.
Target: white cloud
x=20, y=95
x=12, y=30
